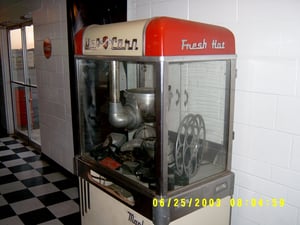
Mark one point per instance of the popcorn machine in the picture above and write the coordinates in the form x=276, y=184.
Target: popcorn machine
x=155, y=110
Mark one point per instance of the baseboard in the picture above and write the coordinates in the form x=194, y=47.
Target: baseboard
x=61, y=169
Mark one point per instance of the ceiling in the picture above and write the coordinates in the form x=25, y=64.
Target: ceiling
x=16, y=12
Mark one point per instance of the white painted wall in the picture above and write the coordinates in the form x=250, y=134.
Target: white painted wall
x=266, y=149
x=50, y=21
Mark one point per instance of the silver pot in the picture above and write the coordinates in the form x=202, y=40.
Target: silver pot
x=144, y=98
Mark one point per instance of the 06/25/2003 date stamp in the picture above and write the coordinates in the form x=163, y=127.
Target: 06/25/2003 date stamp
x=210, y=202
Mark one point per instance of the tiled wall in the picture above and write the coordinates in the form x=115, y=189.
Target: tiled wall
x=266, y=149
x=50, y=21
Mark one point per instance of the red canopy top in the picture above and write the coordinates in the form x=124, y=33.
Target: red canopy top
x=160, y=36
x=169, y=36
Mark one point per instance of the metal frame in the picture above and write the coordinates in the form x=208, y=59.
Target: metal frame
x=150, y=59
x=6, y=81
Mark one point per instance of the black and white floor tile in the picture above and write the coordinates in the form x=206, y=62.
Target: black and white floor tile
x=32, y=191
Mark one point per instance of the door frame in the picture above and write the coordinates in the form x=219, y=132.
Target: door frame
x=6, y=82
x=9, y=81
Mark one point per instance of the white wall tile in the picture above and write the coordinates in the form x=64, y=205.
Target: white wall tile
x=255, y=109
x=274, y=76
x=295, y=155
x=266, y=215
x=254, y=214
x=143, y=9
x=268, y=75
x=298, y=80
x=131, y=10
x=290, y=44
x=293, y=198
x=280, y=215
x=251, y=166
x=48, y=64
x=226, y=11
x=241, y=142
x=175, y=8
x=59, y=47
x=268, y=10
x=244, y=79
x=256, y=17
x=253, y=40
x=286, y=177
x=238, y=220
x=261, y=144
x=262, y=186
x=57, y=110
x=55, y=11
x=56, y=81
x=288, y=114
x=272, y=146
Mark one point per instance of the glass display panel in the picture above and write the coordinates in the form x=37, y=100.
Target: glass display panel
x=32, y=79
x=197, y=120
x=20, y=111
x=24, y=117
x=34, y=109
x=118, y=121
x=16, y=55
x=117, y=116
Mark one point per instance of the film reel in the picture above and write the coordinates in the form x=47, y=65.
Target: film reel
x=189, y=145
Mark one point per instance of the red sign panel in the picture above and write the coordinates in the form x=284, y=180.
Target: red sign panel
x=169, y=37
x=47, y=46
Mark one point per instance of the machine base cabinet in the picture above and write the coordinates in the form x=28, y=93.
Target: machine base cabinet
x=102, y=209
x=99, y=208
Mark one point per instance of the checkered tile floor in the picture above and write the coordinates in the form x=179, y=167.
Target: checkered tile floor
x=32, y=191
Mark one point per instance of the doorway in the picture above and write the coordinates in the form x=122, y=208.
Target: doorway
x=24, y=83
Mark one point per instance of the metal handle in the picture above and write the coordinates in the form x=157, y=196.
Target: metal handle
x=178, y=96
x=84, y=196
x=170, y=96
x=186, y=98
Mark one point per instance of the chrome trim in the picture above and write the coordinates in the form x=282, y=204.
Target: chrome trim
x=150, y=59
